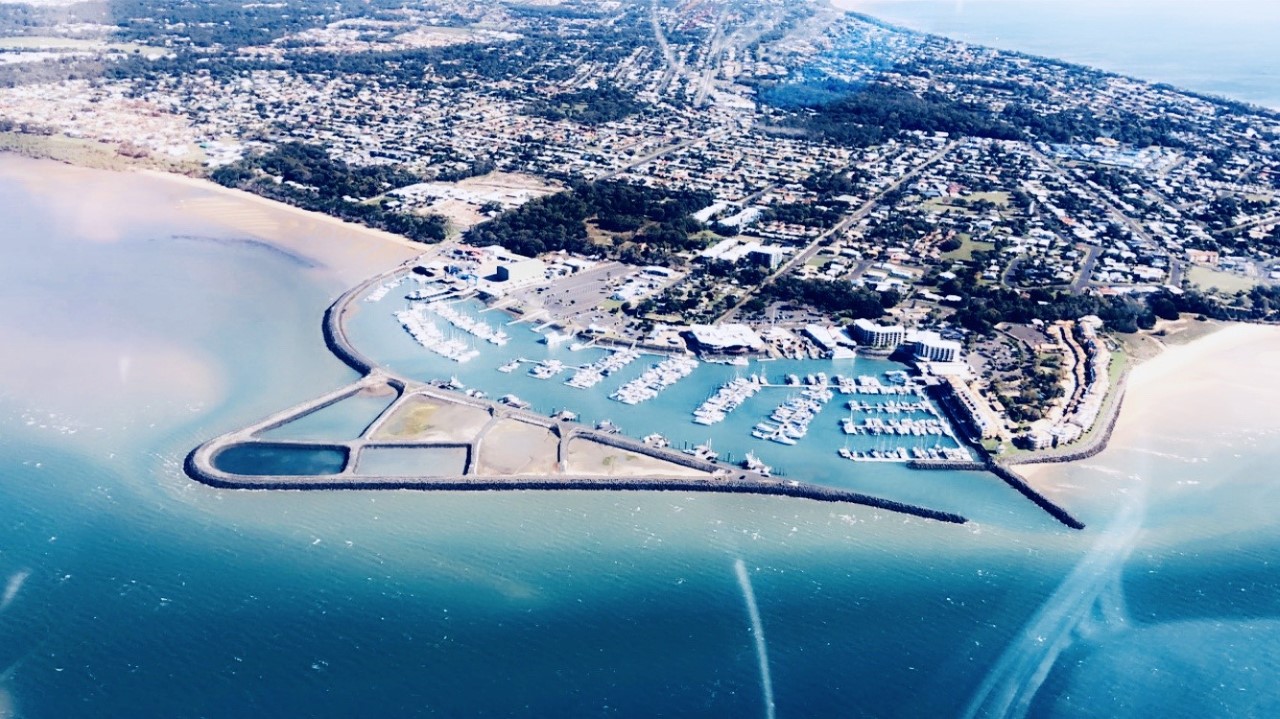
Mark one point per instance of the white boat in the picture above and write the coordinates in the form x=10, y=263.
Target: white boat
x=425, y=333
x=655, y=380
x=726, y=399
x=547, y=369
x=754, y=464
x=656, y=440
x=704, y=452
x=553, y=338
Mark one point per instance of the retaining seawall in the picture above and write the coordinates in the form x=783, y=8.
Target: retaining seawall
x=334, y=324
x=952, y=465
x=200, y=466
x=628, y=444
x=205, y=474
x=1015, y=480
x=1086, y=449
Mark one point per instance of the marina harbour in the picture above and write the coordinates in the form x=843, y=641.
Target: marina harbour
x=846, y=423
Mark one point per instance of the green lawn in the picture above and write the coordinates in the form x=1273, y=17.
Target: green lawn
x=999, y=199
x=967, y=248
x=1119, y=363
x=35, y=42
x=948, y=204
x=1208, y=278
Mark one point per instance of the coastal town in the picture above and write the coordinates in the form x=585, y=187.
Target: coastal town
x=708, y=182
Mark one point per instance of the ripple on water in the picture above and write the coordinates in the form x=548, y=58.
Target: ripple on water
x=1179, y=669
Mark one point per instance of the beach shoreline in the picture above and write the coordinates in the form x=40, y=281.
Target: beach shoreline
x=348, y=250
x=231, y=192
x=1184, y=379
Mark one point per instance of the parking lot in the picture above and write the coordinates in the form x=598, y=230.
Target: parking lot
x=579, y=299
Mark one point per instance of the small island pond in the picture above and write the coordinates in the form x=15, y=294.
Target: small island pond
x=265, y=458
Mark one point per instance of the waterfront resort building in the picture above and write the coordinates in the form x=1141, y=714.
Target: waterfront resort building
x=724, y=339
x=874, y=336
x=931, y=347
x=975, y=416
x=832, y=342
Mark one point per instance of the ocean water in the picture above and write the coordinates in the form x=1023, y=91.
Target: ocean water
x=1218, y=47
x=126, y=589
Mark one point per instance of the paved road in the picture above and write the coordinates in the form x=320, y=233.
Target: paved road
x=1086, y=270
x=674, y=68
x=1264, y=220
x=653, y=156
x=812, y=249
x=711, y=61
x=1134, y=226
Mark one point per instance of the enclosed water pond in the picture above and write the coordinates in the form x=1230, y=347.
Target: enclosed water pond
x=346, y=419
x=412, y=462
x=264, y=458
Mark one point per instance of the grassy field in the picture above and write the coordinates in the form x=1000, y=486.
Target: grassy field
x=87, y=153
x=1208, y=278
x=32, y=42
x=949, y=204
x=967, y=248
x=84, y=153
x=999, y=199
x=940, y=205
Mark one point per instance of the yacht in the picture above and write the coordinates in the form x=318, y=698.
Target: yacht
x=753, y=464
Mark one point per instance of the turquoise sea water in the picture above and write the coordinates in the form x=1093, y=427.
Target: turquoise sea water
x=1219, y=47
x=376, y=332
x=343, y=420
x=126, y=589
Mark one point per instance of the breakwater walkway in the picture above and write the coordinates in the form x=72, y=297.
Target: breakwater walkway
x=673, y=470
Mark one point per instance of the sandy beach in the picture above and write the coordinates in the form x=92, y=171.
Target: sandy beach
x=1221, y=380
x=352, y=252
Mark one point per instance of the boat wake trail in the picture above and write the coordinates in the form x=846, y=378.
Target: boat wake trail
x=12, y=587
x=8, y=706
x=757, y=630
x=1088, y=602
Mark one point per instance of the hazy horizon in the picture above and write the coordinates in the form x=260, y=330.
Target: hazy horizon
x=1223, y=48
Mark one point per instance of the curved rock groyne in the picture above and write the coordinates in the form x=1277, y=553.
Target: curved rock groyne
x=334, y=325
